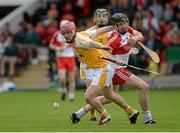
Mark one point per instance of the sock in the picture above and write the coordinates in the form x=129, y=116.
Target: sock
x=64, y=90
x=81, y=112
x=92, y=114
x=129, y=110
x=71, y=95
x=104, y=114
x=147, y=116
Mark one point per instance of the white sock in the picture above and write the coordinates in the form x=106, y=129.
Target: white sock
x=71, y=96
x=147, y=116
x=81, y=112
x=64, y=90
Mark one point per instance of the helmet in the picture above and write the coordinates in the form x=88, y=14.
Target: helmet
x=119, y=17
x=68, y=25
x=101, y=10
x=63, y=21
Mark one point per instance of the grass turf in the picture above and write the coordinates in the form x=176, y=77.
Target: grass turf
x=32, y=111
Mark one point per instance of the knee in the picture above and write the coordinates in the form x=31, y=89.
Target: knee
x=87, y=97
x=109, y=96
x=145, y=87
x=62, y=81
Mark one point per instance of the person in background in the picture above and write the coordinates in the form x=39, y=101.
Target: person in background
x=66, y=63
x=10, y=56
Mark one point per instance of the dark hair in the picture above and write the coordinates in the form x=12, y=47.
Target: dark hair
x=119, y=17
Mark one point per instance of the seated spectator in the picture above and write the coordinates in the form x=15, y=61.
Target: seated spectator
x=20, y=34
x=2, y=45
x=10, y=56
x=32, y=40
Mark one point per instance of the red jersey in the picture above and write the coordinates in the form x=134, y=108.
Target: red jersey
x=59, y=41
x=120, y=45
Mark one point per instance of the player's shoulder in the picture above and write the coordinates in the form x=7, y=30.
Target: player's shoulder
x=82, y=36
x=114, y=35
x=83, y=33
x=130, y=30
x=56, y=34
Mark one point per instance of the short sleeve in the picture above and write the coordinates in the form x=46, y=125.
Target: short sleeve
x=131, y=30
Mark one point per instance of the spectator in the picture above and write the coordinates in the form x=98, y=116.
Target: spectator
x=6, y=30
x=82, y=7
x=53, y=12
x=20, y=34
x=157, y=9
x=10, y=56
x=41, y=30
x=168, y=12
x=150, y=22
x=156, y=45
x=118, y=6
x=39, y=13
x=32, y=40
x=137, y=22
x=2, y=45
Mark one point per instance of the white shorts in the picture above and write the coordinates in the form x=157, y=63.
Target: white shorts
x=99, y=76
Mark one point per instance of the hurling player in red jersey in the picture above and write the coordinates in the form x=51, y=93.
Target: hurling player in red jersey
x=65, y=58
x=120, y=41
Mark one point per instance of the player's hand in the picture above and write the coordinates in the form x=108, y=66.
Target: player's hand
x=107, y=49
x=133, y=40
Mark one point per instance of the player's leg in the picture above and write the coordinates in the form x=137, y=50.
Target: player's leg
x=135, y=82
x=96, y=88
x=86, y=77
x=119, y=100
x=118, y=80
x=103, y=101
x=71, y=81
x=71, y=69
x=90, y=96
x=62, y=80
x=61, y=66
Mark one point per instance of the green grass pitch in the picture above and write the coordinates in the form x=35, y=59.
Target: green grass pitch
x=32, y=111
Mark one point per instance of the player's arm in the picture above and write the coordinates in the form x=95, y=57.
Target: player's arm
x=88, y=43
x=56, y=48
x=98, y=45
x=92, y=28
x=52, y=42
x=93, y=33
x=137, y=36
